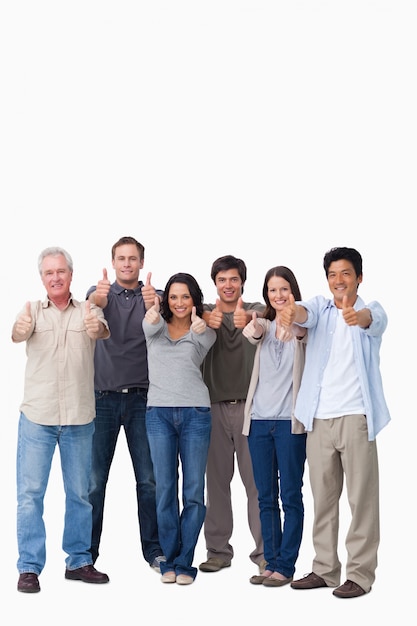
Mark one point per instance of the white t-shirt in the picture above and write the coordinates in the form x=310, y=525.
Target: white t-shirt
x=340, y=392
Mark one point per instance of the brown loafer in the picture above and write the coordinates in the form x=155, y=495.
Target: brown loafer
x=28, y=583
x=276, y=582
x=349, y=589
x=257, y=580
x=310, y=581
x=88, y=574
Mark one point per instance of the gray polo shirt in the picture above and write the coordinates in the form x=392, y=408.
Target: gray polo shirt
x=121, y=361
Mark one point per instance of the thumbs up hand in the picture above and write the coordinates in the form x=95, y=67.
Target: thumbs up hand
x=198, y=325
x=152, y=314
x=253, y=328
x=148, y=292
x=91, y=321
x=240, y=316
x=215, y=317
x=24, y=321
x=103, y=286
x=349, y=314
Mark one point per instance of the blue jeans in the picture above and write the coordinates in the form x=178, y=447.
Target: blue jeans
x=114, y=409
x=278, y=459
x=35, y=449
x=179, y=434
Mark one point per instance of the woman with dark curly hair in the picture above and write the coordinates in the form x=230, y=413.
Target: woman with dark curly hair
x=178, y=419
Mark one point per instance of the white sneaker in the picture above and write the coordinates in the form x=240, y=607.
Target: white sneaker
x=156, y=563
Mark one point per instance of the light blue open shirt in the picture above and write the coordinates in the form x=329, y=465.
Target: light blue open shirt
x=321, y=323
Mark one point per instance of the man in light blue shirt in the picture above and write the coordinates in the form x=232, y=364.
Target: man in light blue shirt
x=342, y=406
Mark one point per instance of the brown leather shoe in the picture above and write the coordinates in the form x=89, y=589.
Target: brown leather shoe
x=310, y=581
x=213, y=564
x=349, y=589
x=88, y=574
x=28, y=583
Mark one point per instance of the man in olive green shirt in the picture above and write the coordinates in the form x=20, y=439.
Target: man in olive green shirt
x=227, y=370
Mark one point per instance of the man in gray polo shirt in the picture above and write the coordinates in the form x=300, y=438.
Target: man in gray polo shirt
x=121, y=387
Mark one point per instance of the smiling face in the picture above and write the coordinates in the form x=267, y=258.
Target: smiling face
x=56, y=277
x=279, y=290
x=229, y=288
x=127, y=265
x=342, y=280
x=180, y=301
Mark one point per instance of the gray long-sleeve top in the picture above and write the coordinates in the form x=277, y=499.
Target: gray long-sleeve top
x=174, y=365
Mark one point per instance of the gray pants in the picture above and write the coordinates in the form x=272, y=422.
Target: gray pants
x=226, y=442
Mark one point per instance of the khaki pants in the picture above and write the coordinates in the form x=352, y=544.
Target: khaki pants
x=226, y=442
x=336, y=448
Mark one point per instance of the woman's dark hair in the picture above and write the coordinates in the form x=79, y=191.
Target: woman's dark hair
x=286, y=274
x=194, y=289
x=348, y=254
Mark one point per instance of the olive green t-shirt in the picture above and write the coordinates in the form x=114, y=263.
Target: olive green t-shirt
x=228, y=365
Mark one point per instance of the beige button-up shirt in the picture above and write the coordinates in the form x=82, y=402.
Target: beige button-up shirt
x=59, y=375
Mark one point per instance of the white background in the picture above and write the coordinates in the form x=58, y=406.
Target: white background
x=268, y=130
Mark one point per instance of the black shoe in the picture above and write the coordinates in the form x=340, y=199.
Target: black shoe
x=88, y=574
x=28, y=583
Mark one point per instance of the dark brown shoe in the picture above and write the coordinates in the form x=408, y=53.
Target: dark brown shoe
x=28, y=583
x=349, y=589
x=310, y=581
x=88, y=574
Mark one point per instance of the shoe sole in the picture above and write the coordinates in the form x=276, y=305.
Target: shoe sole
x=349, y=595
x=94, y=582
x=275, y=582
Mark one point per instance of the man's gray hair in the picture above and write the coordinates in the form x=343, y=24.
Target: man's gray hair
x=55, y=251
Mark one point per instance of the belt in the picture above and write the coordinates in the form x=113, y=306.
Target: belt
x=232, y=401
x=128, y=390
